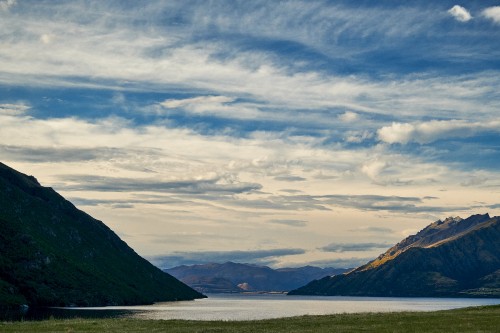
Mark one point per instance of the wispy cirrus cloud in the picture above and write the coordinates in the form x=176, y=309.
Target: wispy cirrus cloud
x=262, y=257
x=219, y=185
x=328, y=202
x=13, y=109
x=350, y=262
x=7, y=4
x=289, y=222
x=220, y=106
x=426, y=132
x=374, y=229
x=70, y=154
x=353, y=247
x=273, y=120
x=162, y=61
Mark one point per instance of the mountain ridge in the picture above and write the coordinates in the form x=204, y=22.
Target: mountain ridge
x=431, y=235
x=464, y=262
x=52, y=254
x=238, y=277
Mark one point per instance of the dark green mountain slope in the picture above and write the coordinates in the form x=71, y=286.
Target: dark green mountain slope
x=54, y=254
x=460, y=263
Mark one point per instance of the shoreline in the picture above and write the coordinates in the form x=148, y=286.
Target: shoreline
x=471, y=319
x=252, y=306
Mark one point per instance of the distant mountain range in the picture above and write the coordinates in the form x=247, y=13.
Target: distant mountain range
x=455, y=258
x=52, y=254
x=233, y=277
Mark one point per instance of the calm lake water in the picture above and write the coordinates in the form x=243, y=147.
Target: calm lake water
x=255, y=307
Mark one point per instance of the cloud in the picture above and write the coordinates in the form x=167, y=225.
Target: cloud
x=474, y=180
x=211, y=109
x=13, y=109
x=353, y=247
x=492, y=13
x=220, y=106
x=196, y=60
x=290, y=178
x=381, y=203
x=328, y=202
x=292, y=223
x=7, y=4
x=47, y=38
x=349, y=116
x=218, y=185
x=196, y=101
x=126, y=203
x=460, y=13
x=283, y=203
x=358, y=137
x=376, y=230
x=70, y=154
x=218, y=190
x=373, y=168
x=120, y=157
x=261, y=257
x=434, y=130
x=352, y=262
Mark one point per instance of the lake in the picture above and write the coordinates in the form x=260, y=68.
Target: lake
x=267, y=306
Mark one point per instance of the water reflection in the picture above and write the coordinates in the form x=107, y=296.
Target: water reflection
x=255, y=307
x=61, y=313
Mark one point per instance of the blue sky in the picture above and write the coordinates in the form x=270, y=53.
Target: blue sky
x=280, y=133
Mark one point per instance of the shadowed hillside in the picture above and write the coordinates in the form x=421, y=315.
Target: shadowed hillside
x=52, y=254
x=235, y=277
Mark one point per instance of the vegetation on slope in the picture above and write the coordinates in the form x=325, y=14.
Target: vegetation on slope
x=463, y=264
x=52, y=254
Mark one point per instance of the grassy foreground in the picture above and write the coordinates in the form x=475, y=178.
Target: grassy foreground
x=479, y=319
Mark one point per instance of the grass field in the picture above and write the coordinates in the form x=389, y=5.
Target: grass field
x=479, y=319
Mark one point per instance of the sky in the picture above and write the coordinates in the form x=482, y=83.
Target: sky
x=279, y=133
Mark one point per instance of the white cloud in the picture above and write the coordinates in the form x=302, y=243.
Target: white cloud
x=220, y=106
x=358, y=137
x=75, y=154
x=349, y=116
x=47, y=38
x=289, y=222
x=396, y=133
x=426, y=132
x=13, y=109
x=460, y=13
x=7, y=4
x=202, y=100
x=492, y=13
x=96, y=45
x=56, y=47
x=374, y=168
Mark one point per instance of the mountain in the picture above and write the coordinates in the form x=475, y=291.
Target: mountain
x=234, y=277
x=451, y=258
x=52, y=254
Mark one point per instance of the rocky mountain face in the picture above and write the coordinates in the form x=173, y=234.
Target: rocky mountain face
x=431, y=235
x=234, y=277
x=455, y=258
x=52, y=254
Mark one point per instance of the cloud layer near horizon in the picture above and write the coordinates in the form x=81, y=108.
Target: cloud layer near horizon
x=256, y=126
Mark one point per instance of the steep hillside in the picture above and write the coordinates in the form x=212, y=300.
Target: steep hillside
x=429, y=236
x=455, y=257
x=54, y=254
x=235, y=277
